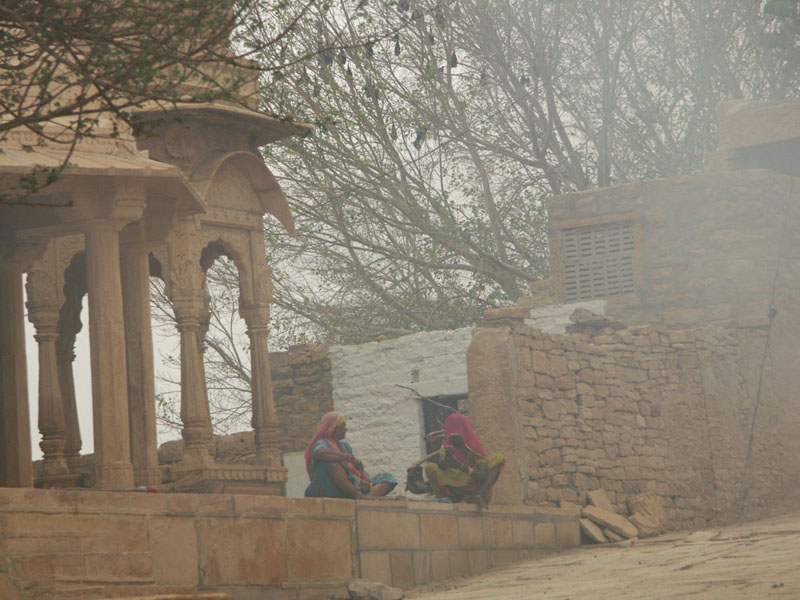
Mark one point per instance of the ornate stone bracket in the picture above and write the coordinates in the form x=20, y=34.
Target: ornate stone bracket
x=228, y=479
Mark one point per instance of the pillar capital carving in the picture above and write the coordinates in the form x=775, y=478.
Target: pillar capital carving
x=256, y=317
x=65, y=352
x=189, y=310
x=42, y=289
x=45, y=321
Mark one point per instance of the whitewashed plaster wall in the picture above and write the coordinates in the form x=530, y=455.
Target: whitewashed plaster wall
x=384, y=421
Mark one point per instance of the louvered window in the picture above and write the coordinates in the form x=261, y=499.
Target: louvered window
x=598, y=261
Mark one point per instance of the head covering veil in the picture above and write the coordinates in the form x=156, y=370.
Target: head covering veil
x=324, y=431
x=458, y=424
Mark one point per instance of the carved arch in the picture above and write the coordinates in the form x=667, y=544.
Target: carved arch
x=75, y=288
x=220, y=243
x=260, y=178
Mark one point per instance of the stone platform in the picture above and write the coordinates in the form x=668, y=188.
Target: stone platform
x=62, y=544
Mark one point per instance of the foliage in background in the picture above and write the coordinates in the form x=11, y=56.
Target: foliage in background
x=67, y=66
x=226, y=357
x=419, y=196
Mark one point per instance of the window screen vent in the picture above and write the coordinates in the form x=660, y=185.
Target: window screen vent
x=598, y=261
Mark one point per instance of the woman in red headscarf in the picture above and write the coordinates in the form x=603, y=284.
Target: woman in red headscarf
x=333, y=469
x=462, y=471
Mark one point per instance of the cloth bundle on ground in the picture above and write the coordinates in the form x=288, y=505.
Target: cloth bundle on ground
x=334, y=470
x=462, y=471
x=415, y=481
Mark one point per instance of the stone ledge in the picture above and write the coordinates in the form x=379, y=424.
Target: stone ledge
x=507, y=312
x=242, y=543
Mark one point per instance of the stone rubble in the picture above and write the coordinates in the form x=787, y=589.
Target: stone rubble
x=599, y=498
x=648, y=508
x=361, y=589
x=614, y=522
x=592, y=531
x=601, y=524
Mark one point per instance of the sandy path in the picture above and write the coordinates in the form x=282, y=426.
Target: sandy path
x=764, y=562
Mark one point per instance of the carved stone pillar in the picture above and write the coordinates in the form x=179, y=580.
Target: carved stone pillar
x=109, y=379
x=43, y=313
x=69, y=263
x=265, y=418
x=15, y=442
x=65, y=356
x=197, y=434
x=135, y=270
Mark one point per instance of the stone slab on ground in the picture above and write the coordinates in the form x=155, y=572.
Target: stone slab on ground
x=650, y=507
x=613, y=521
x=612, y=536
x=599, y=498
x=592, y=531
x=646, y=525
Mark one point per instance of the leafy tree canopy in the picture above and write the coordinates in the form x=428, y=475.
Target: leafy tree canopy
x=66, y=66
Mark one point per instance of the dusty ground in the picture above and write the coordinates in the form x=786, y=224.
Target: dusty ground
x=751, y=560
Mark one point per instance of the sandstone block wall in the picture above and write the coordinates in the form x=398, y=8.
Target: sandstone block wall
x=60, y=545
x=554, y=318
x=412, y=544
x=643, y=409
x=303, y=392
x=707, y=246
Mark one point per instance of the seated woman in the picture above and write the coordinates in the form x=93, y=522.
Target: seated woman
x=334, y=471
x=462, y=471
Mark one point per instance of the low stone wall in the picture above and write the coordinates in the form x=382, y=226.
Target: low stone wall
x=412, y=543
x=696, y=417
x=63, y=545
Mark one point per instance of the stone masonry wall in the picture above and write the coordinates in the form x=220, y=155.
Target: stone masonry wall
x=706, y=246
x=303, y=392
x=643, y=409
x=70, y=545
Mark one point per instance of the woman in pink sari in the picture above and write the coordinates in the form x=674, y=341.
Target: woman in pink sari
x=462, y=471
